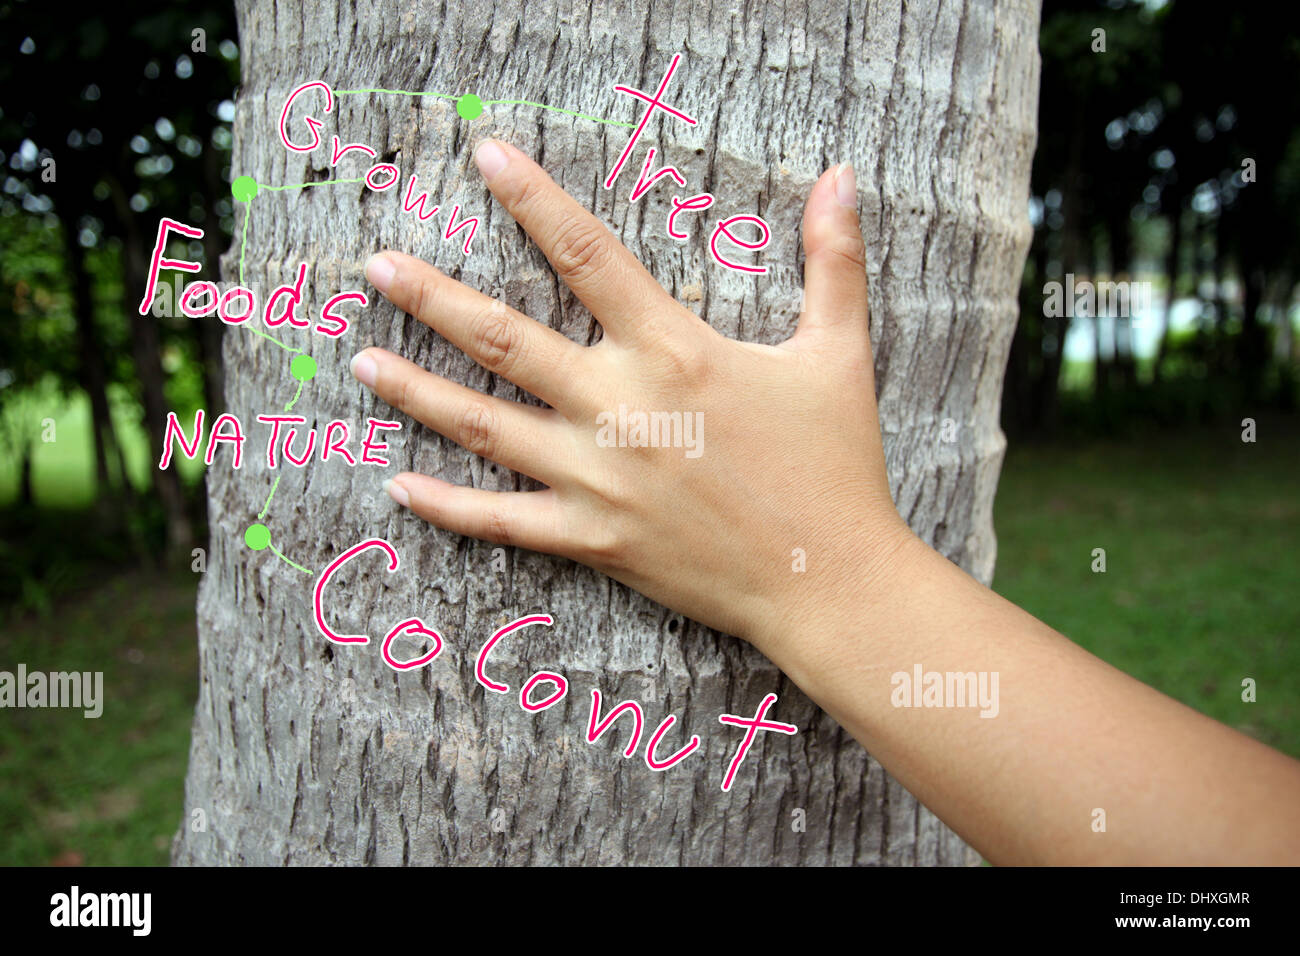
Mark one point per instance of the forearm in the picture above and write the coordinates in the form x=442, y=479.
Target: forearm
x=1070, y=735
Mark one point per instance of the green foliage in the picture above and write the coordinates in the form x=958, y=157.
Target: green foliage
x=110, y=117
x=38, y=349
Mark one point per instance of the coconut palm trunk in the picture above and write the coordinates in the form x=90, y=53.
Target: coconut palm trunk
x=310, y=752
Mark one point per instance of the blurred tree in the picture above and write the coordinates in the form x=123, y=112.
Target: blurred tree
x=111, y=127
x=1155, y=129
x=38, y=348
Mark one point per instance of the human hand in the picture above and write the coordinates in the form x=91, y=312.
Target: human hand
x=790, y=455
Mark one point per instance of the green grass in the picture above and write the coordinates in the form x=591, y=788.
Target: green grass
x=63, y=470
x=106, y=790
x=1200, y=533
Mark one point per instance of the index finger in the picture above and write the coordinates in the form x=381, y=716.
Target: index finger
x=625, y=299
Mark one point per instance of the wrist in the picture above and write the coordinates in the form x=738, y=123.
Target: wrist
x=857, y=583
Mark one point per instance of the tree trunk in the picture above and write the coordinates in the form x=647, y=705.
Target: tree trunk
x=146, y=349
x=94, y=378
x=1047, y=390
x=1171, y=285
x=305, y=752
x=26, y=489
x=1117, y=229
x=1103, y=360
x=1254, y=349
x=209, y=332
x=1218, y=301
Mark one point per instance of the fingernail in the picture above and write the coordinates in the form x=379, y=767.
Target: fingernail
x=397, y=493
x=364, y=369
x=846, y=186
x=380, y=271
x=491, y=159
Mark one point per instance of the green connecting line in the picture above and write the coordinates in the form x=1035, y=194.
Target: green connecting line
x=276, y=552
x=303, y=367
x=558, y=109
x=441, y=96
x=323, y=182
x=243, y=247
x=288, y=348
x=267, y=506
x=258, y=538
x=469, y=106
x=245, y=189
x=243, y=239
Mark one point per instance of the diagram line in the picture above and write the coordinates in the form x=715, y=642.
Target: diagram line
x=441, y=96
x=267, y=507
x=324, y=182
x=288, y=348
x=558, y=109
x=276, y=552
x=448, y=96
x=294, y=400
x=243, y=239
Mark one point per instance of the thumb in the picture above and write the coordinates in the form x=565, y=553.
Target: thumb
x=835, y=258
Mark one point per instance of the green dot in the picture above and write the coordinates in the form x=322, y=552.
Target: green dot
x=257, y=537
x=469, y=106
x=303, y=368
x=244, y=188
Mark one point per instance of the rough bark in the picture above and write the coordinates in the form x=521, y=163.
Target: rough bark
x=306, y=753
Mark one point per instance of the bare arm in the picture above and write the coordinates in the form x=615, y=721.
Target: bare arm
x=1071, y=736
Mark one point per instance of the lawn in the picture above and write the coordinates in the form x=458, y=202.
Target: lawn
x=1200, y=532
x=104, y=790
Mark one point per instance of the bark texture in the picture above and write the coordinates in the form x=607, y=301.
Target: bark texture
x=309, y=753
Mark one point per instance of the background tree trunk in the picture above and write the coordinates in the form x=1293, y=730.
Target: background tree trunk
x=90, y=357
x=309, y=753
x=146, y=349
